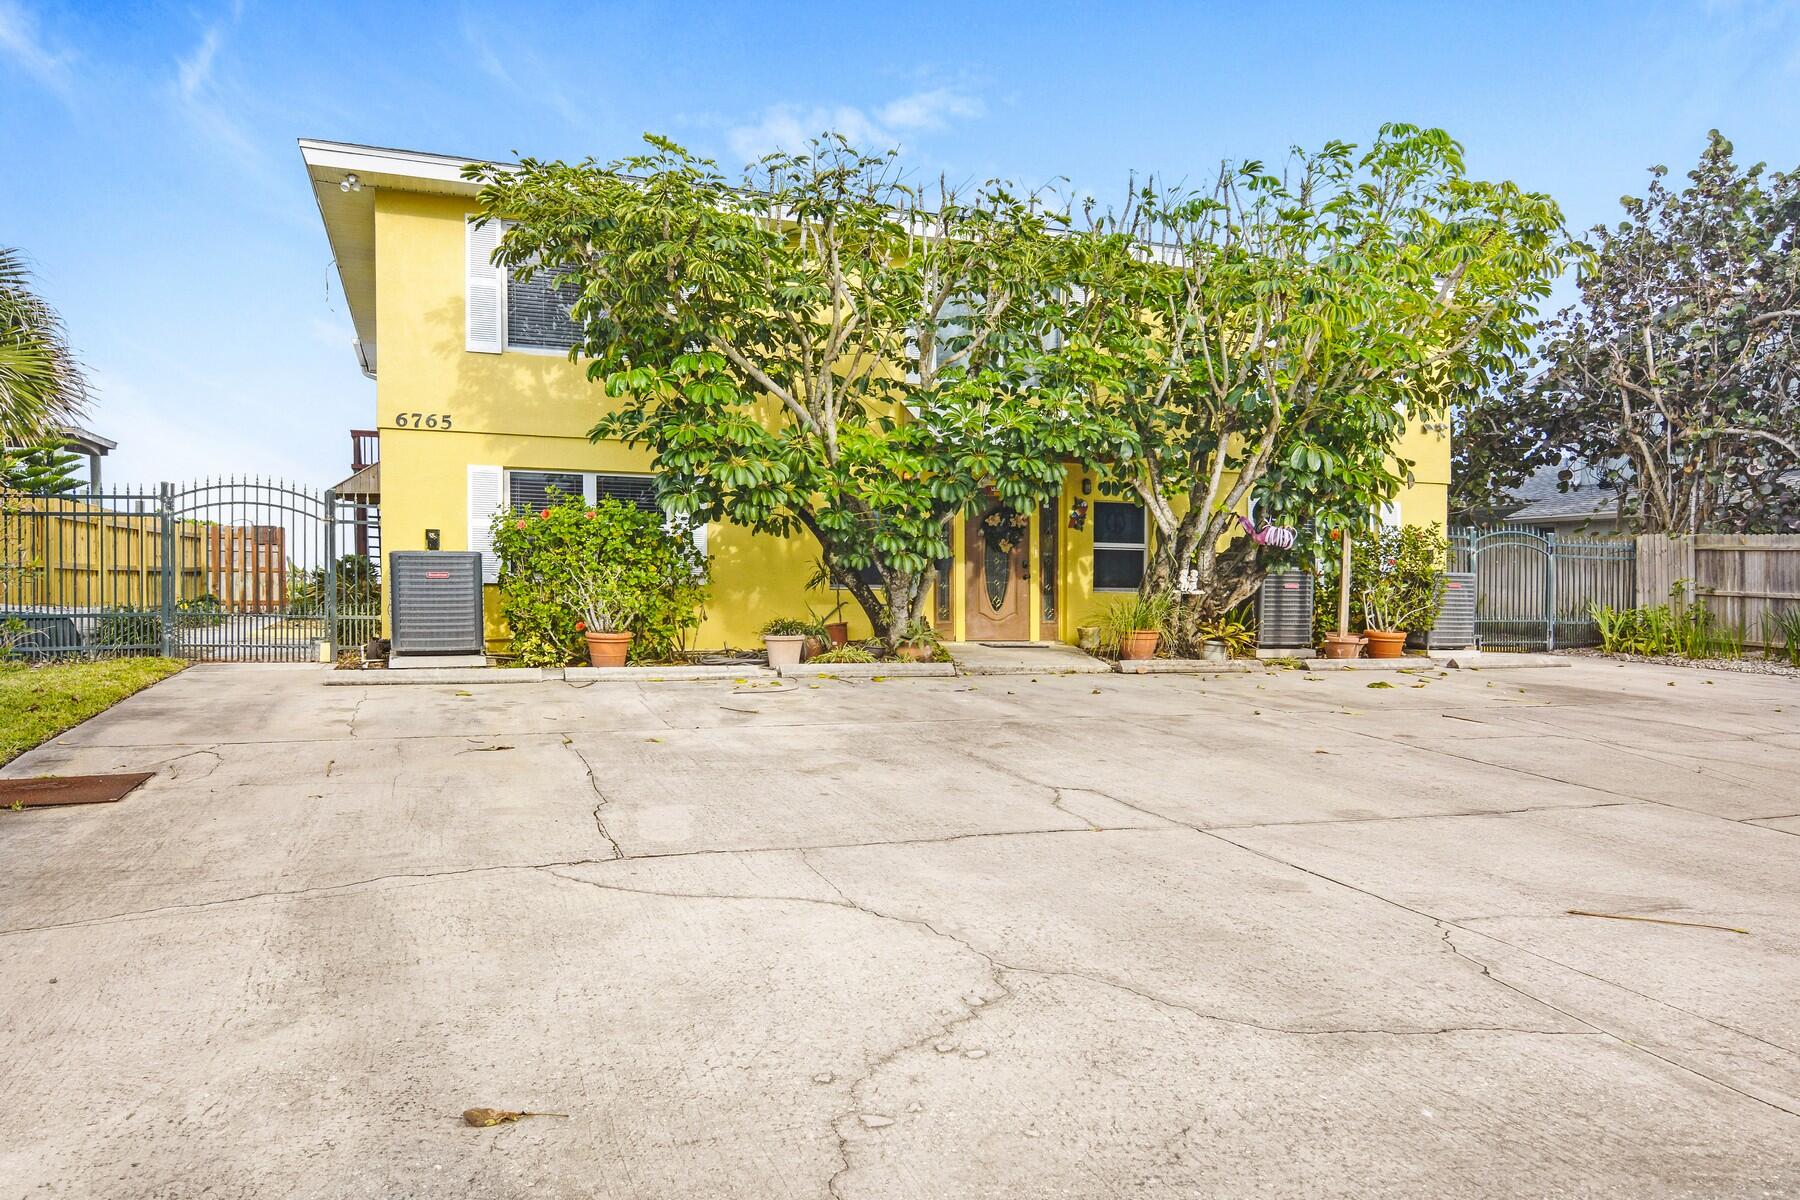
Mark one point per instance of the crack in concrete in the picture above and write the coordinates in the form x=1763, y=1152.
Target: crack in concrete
x=324, y=889
x=847, y=1119
x=1289, y=1030
x=1447, y=925
x=278, y=893
x=1480, y=812
x=871, y=1067
x=218, y=760
x=1487, y=973
x=600, y=796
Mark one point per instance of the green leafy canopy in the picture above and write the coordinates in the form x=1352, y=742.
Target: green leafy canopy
x=821, y=346
x=1268, y=337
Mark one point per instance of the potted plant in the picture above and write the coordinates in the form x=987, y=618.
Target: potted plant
x=785, y=638
x=604, y=602
x=819, y=636
x=918, y=642
x=1132, y=628
x=1224, y=638
x=1406, y=589
x=1389, y=609
x=837, y=632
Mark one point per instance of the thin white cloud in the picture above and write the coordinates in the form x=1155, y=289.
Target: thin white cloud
x=522, y=72
x=210, y=108
x=23, y=44
x=931, y=109
x=789, y=126
x=194, y=72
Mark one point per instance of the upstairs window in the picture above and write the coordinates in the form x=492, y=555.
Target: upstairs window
x=507, y=311
x=1119, y=546
x=537, y=311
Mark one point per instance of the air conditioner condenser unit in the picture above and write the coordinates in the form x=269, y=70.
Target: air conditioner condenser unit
x=436, y=607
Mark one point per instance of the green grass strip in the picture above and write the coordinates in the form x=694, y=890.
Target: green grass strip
x=39, y=702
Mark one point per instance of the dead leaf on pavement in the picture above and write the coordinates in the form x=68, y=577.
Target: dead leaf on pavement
x=483, y=1118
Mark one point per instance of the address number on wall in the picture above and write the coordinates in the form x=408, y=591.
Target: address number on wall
x=422, y=420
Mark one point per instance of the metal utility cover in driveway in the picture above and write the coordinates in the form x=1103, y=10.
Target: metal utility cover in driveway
x=69, y=789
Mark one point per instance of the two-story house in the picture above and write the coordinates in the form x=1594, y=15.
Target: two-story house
x=479, y=409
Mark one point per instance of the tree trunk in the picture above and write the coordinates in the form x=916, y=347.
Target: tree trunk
x=903, y=595
x=1223, y=579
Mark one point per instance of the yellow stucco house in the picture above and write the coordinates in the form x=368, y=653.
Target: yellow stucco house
x=479, y=408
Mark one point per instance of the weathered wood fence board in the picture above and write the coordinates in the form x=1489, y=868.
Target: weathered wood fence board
x=1745, y=579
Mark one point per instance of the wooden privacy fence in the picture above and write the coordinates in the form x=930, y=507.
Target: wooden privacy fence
x=83, y=552
x=1745, y=579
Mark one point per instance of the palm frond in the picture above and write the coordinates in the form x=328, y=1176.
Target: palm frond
x=41, y=381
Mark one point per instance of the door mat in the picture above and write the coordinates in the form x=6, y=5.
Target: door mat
x=68, y=789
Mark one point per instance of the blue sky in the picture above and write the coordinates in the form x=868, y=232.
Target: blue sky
x=150, y=171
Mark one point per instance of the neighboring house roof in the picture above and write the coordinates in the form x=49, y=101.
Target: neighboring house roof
x=1541, y=498
x=83, y=441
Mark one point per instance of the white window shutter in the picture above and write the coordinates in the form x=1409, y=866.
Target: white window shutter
x=485, y=289
x=486, y=493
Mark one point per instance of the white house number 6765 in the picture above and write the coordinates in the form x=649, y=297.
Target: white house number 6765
x=422, y=420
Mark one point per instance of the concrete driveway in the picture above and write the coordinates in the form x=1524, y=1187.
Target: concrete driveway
x=1005, y=937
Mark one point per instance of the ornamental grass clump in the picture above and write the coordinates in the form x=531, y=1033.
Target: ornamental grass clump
x=571, y=567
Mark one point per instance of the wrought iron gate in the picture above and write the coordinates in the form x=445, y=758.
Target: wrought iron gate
x=234, y=570
x=1534, y=590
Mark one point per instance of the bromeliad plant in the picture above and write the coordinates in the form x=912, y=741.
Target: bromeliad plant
x=1237, y=635
x=610, y=567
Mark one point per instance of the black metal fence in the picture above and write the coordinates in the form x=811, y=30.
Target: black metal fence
x=1533, y=590
x=237, y=570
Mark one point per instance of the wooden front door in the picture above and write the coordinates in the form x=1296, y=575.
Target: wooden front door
x=997, y=575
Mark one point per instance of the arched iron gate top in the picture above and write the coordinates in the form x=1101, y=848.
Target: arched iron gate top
x=266, y=495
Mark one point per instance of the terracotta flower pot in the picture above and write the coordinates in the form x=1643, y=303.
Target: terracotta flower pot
x=1139, y=644
x=814, y=647
x=784, y=649
x=913, y=653
x=607, y=649
x=1386, y=643
x=839, y=633
x=1346, y=645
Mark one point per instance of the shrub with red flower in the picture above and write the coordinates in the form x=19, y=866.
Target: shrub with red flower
x=659, y=578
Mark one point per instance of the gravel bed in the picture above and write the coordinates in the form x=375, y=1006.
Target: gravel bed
x=1753, y=663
